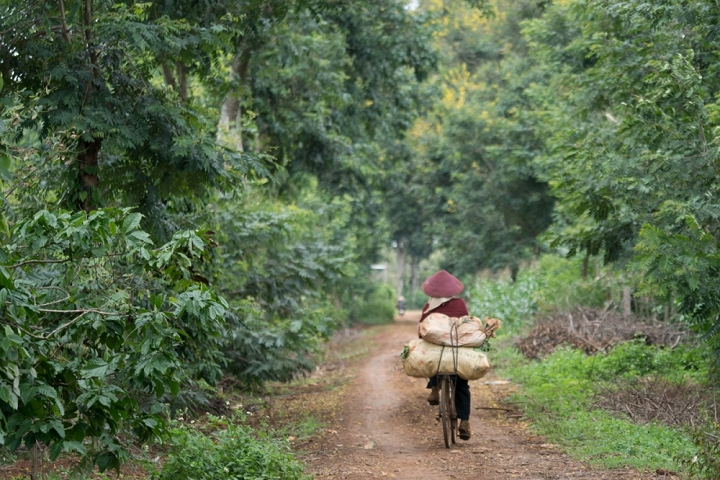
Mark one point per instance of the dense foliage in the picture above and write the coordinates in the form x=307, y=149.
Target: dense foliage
x=189, y=191
x=92, y=340
x=586, y=127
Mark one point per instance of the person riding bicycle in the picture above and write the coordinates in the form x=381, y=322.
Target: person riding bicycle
x=443, y=288
x=400, y=305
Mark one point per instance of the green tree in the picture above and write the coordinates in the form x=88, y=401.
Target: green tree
x=126, y=137
x=98, y=326
x=631, y=119
x=483, y=199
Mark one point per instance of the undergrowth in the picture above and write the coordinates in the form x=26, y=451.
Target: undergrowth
x=551, y=283
x=227, y=450
x=515, y=303
x=376, y=307
x=558, y=393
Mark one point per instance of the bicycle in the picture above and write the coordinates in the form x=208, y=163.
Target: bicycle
x=447, y=413
x=446, y=385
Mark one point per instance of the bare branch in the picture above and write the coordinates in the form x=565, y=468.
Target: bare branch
x=30, y=262
x=13, y=324
x=82, y=310
x=67, y=297
x=66, y=325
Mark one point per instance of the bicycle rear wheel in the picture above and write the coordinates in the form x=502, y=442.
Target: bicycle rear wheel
x=451, y=409
x=446, y=411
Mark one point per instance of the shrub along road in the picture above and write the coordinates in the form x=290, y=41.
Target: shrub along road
x=387, y=429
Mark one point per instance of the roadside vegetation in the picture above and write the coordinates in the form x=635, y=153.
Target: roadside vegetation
x=613, y=390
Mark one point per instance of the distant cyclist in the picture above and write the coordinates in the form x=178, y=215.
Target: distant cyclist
x=401, y=305
x=443, y=288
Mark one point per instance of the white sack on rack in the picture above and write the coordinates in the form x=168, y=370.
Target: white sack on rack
x=421, y=359
x=464, y=331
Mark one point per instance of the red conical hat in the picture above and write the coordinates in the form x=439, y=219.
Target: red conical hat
x=442, y=284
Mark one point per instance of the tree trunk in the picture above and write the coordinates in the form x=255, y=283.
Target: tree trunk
x=585, y=266
x=35, y=460
x=400, y=254
x=63, y=23
x=89, y=38
x=231, y=110
x=88, y=173
x=182, y=82
x=414, y=280
x=169, y=77
x=89, y=151
x=228, y=112
x=596, y=264
x=627, y=310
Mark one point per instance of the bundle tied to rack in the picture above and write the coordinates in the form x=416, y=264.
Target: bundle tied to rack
x=450, y=345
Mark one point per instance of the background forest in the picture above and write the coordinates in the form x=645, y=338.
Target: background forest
x=199, y=189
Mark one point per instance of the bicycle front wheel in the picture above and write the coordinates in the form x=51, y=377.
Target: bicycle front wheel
x=446, y=411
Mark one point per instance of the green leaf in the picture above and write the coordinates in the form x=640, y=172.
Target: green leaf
x=6, y=280
x=59, y=428
x=28, y=393
x=152, y=423
x=47, y=391
x=5, y=164
x=5, y=393
x=140, y=235
x=73, y=446
x=96, y=368
x=107, y=460
x=131, y=222
x=13, y=401
x=55, y=449
x=156, y=301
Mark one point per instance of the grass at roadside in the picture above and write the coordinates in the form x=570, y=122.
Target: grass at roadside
x=561, y=394
x=558, y=395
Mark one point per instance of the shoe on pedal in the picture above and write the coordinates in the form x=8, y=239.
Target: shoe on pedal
x=434, y=397
x=464, y=430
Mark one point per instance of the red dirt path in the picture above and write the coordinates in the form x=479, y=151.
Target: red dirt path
x=387, y=429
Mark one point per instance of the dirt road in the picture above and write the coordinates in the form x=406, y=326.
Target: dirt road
x=387, y=429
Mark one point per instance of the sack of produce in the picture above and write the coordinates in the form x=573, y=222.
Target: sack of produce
x=464, y=331
x=421, y=359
